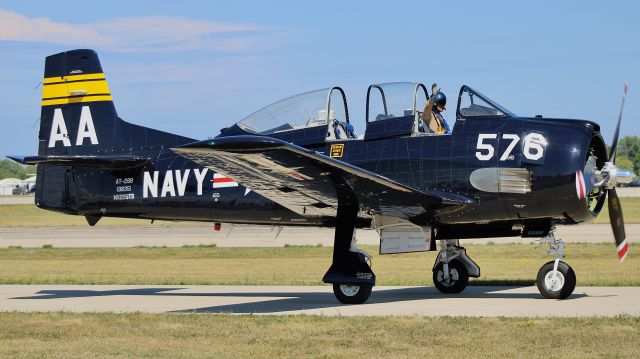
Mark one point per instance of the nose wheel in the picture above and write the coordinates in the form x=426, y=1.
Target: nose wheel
x=555, y=279
x=558, y=283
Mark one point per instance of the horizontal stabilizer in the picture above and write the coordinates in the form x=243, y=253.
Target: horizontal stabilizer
x=105, y=162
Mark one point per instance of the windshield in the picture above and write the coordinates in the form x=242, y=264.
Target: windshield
x=473, y=104
x=309, y=109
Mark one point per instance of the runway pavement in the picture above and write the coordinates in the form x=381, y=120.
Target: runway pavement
x=385, y=301
x=24, y=199
x=243, y=236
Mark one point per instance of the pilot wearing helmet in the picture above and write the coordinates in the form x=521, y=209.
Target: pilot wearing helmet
x=432, y=115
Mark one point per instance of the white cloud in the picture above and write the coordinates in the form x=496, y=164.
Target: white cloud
x=141, y=34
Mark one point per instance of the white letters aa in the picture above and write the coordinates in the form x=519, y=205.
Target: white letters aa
x=58, y=130
x=86, y=128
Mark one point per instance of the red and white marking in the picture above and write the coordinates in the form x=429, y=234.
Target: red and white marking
x=220, y=181
x=623, y=249
x=580, y=187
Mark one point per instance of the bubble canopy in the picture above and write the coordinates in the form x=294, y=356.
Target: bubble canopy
x=309, y=109
x=392, y=110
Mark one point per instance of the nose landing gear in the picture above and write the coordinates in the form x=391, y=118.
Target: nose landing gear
x=556, y=279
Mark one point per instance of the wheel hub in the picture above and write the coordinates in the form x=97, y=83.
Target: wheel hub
x=554, y=282
x=454, y=276
x=349, y=290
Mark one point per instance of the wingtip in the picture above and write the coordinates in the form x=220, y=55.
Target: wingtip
x=626, y=87
x=19, y=159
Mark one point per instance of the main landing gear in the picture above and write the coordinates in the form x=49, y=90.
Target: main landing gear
x=355, y=293
x=453, y=268
x=556, y=279
x=350, y=274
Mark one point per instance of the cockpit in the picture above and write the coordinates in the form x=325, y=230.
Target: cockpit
x=472, y=104
x=308, y=118
x=392, y=110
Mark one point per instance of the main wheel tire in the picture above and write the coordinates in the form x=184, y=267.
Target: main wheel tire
x=458, y=277
x=352, y=294
x=558, y=287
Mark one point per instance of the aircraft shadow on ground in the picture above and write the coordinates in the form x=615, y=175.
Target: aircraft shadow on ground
x=295, y=301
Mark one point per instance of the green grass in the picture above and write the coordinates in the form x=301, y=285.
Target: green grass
x=630, y=207
x=63, y=335
x=27, y=215
x=501, y=264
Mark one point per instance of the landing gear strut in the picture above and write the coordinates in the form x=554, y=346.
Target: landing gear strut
x=556, y=279
x=453, y=268
x=350, y=274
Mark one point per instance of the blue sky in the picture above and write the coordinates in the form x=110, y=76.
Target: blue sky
x=192, y=67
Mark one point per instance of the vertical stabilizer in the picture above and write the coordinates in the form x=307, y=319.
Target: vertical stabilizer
x=78, y=115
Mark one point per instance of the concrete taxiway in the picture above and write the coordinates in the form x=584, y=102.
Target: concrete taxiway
x=319, y=300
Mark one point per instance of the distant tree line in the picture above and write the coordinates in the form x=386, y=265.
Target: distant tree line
x=629, y=153
x=10, y=169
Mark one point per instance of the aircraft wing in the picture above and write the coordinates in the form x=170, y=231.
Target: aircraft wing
x=304, y=180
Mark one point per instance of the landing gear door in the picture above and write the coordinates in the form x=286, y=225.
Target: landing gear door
x=400, y=236
x=404, y=239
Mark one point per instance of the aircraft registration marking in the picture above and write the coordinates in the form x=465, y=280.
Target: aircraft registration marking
x=124, y=196
x=336, y=150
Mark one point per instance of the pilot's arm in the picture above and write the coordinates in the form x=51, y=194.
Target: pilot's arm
x=428, y=106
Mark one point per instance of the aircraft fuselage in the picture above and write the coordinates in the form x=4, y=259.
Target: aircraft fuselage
x=550, y=152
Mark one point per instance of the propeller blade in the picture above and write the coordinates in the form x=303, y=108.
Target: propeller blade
x=617, y=224
x=614, y=144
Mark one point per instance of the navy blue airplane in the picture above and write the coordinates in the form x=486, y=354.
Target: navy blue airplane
x=299, y=162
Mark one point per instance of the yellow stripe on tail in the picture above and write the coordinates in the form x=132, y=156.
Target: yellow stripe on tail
x=75, y=89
